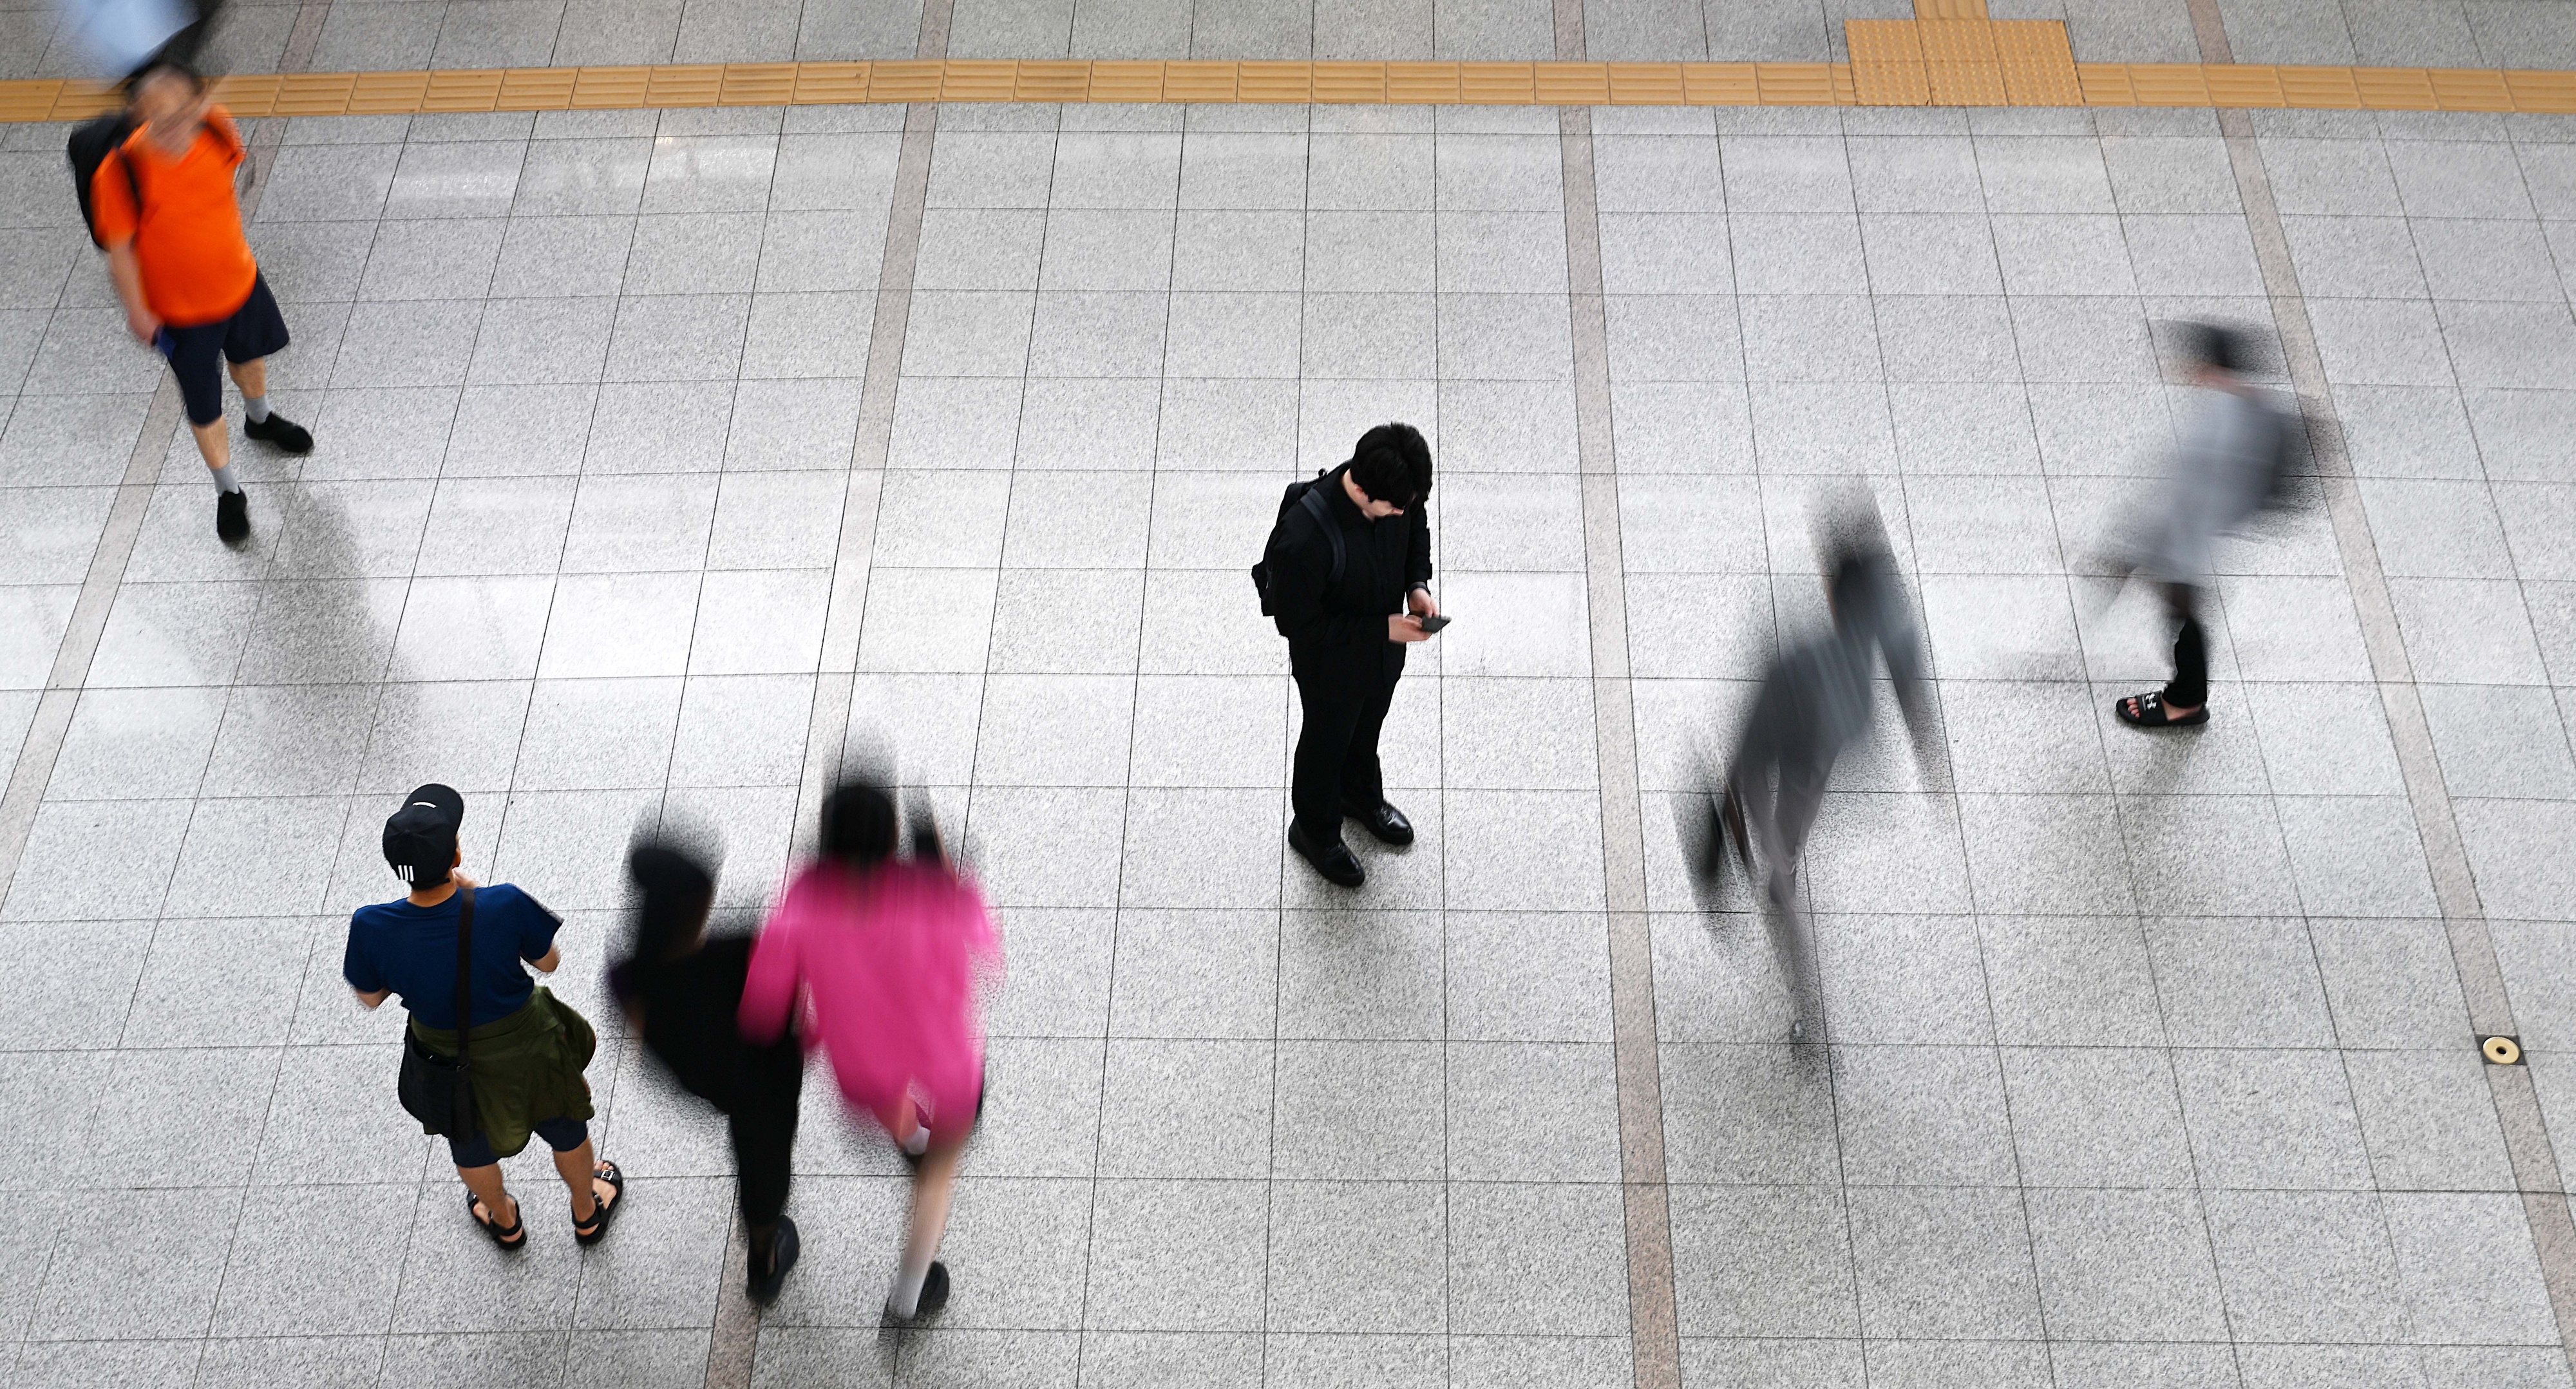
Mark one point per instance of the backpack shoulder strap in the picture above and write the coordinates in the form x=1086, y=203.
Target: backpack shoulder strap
x=133, y=178
x=219, y=124
x=1314, y=503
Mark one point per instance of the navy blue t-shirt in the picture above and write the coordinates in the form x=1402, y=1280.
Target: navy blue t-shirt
x=412, y=951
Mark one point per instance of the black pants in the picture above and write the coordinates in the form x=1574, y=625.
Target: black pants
x=1344, y=695
x=2189, y=688
x=763, y=1119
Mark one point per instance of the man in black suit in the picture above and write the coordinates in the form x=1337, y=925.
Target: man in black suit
x=1347, y=633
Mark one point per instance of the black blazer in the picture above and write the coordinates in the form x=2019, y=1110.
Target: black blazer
x=1386, y=558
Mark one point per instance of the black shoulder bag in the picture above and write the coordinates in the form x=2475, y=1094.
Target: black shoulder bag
x=439, y=1090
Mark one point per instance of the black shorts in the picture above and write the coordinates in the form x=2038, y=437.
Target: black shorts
x=255, y=330
x=562, y=1135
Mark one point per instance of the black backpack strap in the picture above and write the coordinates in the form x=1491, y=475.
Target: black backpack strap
x=1313, y=501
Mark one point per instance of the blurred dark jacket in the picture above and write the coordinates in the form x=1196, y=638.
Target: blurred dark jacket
x=689, y=1005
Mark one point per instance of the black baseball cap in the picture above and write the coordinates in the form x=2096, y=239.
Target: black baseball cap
x=420, y=838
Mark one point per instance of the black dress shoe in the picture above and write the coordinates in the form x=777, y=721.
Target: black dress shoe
x=1332, y=860
x=1382, y=820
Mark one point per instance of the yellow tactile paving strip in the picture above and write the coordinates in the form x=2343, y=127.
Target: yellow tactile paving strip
x=2012, y=63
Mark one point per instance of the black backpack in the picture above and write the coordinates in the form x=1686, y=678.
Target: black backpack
x=90, y=145
x=1298, y=494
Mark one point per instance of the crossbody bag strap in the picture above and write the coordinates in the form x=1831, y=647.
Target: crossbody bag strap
x=464, y=978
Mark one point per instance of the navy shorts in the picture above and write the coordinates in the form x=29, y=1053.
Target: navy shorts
x=562, y=1135
x=255, y=330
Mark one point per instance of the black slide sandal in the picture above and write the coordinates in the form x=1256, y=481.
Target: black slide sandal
x=2151, y=712
x=602, y=1212
x=515, y=1237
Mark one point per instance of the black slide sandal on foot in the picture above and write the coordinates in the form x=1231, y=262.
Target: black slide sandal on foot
x=2151, y=712
x=515, y=1237
x=602, y=1212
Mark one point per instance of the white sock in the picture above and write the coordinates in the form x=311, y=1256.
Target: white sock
x=256, y=406
x=919, y=1143
x=906, y=1298
x=224, y=481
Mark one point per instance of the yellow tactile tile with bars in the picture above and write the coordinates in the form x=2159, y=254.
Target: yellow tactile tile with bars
x=1950, y=58
x=2039, y=66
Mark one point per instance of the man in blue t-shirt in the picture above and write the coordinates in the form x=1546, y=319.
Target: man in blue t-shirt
x=409, y=948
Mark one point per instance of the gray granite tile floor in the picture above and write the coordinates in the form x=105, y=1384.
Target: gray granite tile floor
x=2137, y=1063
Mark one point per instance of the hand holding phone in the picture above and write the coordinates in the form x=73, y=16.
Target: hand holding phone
x=1432, y=623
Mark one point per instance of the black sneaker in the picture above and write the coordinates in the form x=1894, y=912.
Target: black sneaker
x=934, y=1295
x=782, y=1257
x=1332, y=860
x=286, y=434
x=232, y=517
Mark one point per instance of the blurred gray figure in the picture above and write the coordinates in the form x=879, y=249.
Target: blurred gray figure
x=2229, y=467
x=1816, y=701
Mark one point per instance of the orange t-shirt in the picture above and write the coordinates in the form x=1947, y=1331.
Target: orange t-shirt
x=197, y=268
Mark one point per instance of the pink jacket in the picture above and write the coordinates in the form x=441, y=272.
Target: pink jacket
x=887, y=961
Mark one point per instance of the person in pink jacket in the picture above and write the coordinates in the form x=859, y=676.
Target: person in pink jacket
x=886, y=954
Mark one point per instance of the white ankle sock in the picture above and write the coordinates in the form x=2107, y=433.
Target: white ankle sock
x=919, y=1143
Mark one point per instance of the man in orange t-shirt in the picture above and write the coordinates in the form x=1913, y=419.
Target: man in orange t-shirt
x=190, y=286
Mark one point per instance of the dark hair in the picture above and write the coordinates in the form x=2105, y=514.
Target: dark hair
x=171, y=66
x=1860, y=573
x=2210, y=345
x=858, y=825
x=674, y=892
x=1392, y=464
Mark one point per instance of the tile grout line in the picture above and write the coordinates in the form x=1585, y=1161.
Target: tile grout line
x=2481, y=978
x=826, y=745
x=734, y=1338
x=1654, y=1344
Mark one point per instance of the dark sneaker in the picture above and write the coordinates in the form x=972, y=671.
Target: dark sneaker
x=782, y=1257
x=286, y=434
x=934, y=1295
x=1333, y=860
x=232, y=517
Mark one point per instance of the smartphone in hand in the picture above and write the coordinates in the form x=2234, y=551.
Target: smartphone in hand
x=1432, y=624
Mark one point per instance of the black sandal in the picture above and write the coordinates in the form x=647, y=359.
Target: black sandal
x=595, y=1229
x=515, y=1237
x=2151, y=713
